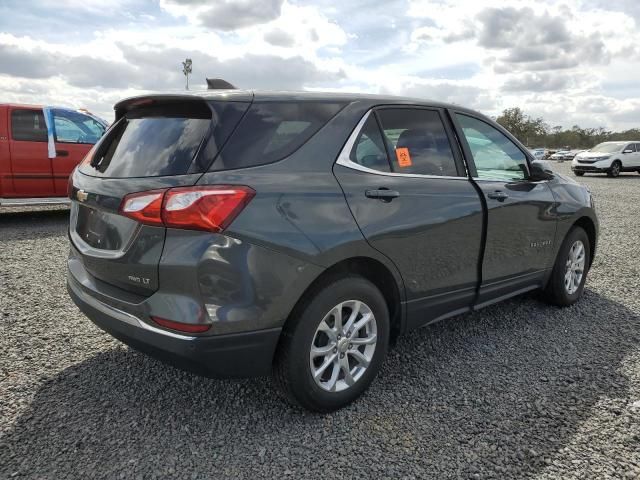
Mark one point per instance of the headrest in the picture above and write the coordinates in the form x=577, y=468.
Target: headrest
x=415, y=139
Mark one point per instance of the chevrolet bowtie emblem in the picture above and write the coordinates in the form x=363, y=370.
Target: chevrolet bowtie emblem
x=81, y=195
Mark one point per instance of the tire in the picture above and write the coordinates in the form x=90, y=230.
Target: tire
x=293, y=363
x=557, y=292
x=578, y=174
x=616, y=168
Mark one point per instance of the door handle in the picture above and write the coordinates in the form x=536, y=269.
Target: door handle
x=498, y=195
x=62, y=153
x=383, y=194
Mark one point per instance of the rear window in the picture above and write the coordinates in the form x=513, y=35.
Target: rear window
x=271, y=131
x=165, y=140
x=28, y=126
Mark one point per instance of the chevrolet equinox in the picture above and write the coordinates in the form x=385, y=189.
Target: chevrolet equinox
x=239, y=233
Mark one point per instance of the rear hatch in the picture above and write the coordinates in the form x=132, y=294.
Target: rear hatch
x=155, y=143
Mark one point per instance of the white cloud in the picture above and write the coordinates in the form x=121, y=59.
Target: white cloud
x=572, y=64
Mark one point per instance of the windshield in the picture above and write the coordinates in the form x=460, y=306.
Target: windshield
x=609, y=147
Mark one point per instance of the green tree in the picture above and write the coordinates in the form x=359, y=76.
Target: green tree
x=525, y=128
x=534, y=132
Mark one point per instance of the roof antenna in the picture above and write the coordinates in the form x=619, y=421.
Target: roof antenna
x=219, y=84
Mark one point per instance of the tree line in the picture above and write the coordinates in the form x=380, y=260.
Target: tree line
x=534, y=132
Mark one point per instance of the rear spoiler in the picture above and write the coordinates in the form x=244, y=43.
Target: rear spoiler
x=128, y=104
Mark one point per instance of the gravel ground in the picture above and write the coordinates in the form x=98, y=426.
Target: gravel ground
x=518, y=390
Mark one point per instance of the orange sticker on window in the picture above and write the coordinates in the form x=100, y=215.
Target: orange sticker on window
x=404, y=159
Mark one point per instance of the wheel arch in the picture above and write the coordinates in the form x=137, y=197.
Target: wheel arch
x=588, y=225
x=373, y=270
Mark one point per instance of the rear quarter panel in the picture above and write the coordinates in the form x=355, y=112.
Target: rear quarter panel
x=299, y=208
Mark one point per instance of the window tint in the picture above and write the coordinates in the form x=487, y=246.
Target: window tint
x=148, y=147
x=271, y=131
x=637, y=147
x=495, y=156
x=75, y=127
x=369, y=149
x=28, y=126
x=418, y=142
x=631, y=147
x=168, y=138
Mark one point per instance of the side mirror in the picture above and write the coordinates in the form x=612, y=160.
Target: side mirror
x=541, y=170
x=627, y=151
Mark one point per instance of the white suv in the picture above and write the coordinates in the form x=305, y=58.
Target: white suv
x=608, y=157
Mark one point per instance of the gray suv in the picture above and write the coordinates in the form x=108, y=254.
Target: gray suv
x=239, y=233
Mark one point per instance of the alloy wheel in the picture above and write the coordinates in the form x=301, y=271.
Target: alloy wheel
x=575, y=267
x=615, y=169
x=343, y=346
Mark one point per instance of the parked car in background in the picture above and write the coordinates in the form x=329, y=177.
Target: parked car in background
x=243, y=233
x=559, y=156
x=538, y=153
x=39, y=147
x=571, y=154
x=611, y=158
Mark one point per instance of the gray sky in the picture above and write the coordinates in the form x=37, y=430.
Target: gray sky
x=572, y=62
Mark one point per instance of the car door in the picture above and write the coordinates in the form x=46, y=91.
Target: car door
x=409, y=193
x=636, y=155
x=75, y=134
x=521, y=220
x=31, y=172
x=631, y=159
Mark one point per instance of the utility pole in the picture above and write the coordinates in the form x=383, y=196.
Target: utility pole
x=186, y=70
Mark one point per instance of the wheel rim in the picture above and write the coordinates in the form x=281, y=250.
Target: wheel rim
x=575, y=267
x=343, y=346
x=615, y=169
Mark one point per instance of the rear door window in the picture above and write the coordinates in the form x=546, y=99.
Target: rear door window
x=271, y=131
x=28, y=126
x=418, y=141
x=165, y=140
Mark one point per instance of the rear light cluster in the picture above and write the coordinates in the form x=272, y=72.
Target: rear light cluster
x=209, y=208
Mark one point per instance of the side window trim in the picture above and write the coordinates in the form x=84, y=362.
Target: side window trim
x=467, y=150
x=345, y=160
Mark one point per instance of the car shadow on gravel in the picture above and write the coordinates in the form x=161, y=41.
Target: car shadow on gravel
x=497, y=393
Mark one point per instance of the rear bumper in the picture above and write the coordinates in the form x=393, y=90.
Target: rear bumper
x=247, y=354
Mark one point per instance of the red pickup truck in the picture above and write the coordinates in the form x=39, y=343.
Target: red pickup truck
x=39, y=147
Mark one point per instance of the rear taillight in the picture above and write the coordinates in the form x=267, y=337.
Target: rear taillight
x=210, y=208
x=144, y=207
x=182, y=327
